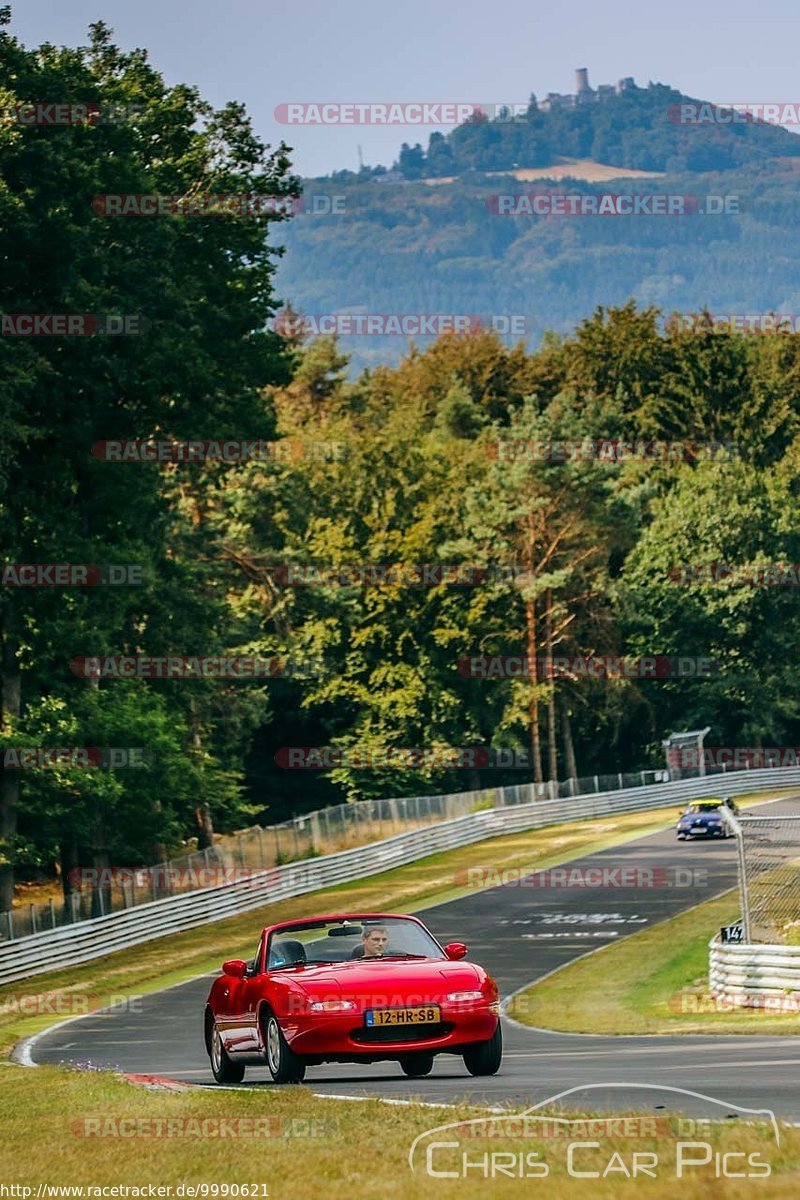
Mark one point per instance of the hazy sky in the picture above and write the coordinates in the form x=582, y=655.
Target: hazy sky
x=267, y=53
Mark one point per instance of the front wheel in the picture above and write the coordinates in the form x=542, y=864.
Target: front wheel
x=223, y=1068
x=416, y=1065
x=484, y=1058
x=284, y=1065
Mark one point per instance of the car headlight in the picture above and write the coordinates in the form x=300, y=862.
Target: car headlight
x=332, y=1005
x=459, y=997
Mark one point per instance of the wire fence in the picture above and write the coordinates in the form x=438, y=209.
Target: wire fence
x=96, y=892
x=769, y=877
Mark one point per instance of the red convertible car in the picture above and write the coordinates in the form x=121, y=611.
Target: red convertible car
x=359, y=988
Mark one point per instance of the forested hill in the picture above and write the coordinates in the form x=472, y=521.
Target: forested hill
x=655, y=128
x=398, y=244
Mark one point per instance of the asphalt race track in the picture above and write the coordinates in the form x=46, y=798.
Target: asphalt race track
x=520, y=934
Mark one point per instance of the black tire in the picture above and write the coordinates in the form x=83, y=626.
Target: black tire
x=416, y=1065
x=284, y=1065
x=484, y=1058
x=223, y=1068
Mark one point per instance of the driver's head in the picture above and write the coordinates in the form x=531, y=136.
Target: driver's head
x=374, y=940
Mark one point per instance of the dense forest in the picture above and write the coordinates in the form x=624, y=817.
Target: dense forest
x=397, y=467
x=414, y=248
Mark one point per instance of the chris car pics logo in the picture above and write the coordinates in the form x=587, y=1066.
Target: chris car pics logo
x=538, y=1142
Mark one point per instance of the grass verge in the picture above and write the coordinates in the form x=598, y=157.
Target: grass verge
x=655, y=981
x=290, y=1143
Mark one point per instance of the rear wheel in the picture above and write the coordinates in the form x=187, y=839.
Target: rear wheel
x=223, y=1068
x=484, y=1058
x=416, y=1065
x=284, y=1065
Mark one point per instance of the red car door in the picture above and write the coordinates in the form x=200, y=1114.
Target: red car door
x=236, y=1015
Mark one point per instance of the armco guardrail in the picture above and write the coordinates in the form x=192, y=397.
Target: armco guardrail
x=753, y=974
x=97, y=892
x=78, y=943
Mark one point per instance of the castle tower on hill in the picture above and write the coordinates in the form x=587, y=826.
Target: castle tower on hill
x=584, y=93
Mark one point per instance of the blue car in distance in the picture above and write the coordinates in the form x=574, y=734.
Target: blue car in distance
x=704, y=818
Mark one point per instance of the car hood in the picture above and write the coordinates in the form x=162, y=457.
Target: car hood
x=391, y=980
x=704, y=818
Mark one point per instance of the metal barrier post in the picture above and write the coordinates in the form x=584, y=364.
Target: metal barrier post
x=737, y=829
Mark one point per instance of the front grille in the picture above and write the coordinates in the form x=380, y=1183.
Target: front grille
x=402, y=1033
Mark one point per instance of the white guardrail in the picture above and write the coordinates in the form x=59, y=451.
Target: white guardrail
x=753, y=973
x=73, y=944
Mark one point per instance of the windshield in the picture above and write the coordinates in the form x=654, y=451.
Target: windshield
x=706, y=808
x=350, y=939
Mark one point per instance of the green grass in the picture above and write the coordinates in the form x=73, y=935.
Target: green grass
x=317, y=1149
x=655, y=981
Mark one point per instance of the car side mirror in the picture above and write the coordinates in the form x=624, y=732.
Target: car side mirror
x=455, y=950
x=236, y=967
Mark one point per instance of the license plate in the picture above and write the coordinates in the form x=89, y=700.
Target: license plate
x=429, y=1015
